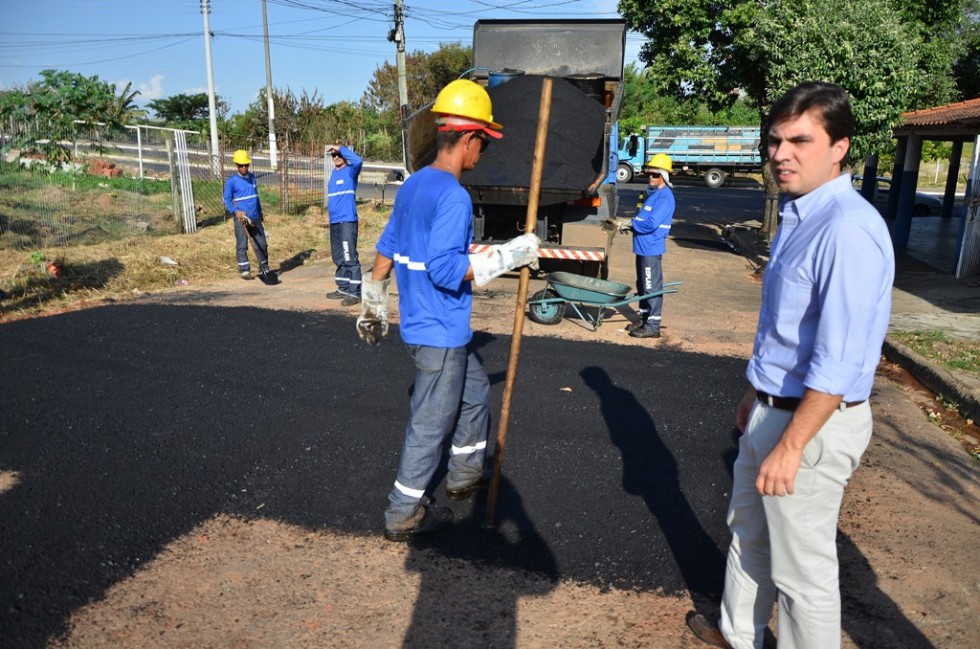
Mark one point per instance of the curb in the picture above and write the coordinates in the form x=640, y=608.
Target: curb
x=941, y=382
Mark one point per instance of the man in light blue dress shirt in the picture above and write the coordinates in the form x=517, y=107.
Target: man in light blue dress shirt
x=805, y=419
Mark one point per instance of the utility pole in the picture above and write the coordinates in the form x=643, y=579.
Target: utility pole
x=273, y=155
x=398, y=36
x=212, y=105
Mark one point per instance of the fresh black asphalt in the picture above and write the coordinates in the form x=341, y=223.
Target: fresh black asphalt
x=131, y=424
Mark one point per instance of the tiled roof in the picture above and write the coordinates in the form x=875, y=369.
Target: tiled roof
x=963, y=113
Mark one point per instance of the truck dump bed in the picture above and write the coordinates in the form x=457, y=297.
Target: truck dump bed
x=575, y=152
x=706, y=145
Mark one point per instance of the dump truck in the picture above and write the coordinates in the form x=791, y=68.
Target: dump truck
x=712, y=152
x=584, y=59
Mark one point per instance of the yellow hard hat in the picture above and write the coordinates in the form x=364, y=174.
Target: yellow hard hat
x=466, y=99
x=241, y=158
x=661, y=161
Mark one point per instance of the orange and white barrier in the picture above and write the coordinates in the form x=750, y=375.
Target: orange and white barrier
x=545, y=252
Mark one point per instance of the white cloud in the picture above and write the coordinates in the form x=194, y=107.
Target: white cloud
x=148, y=91
x=153, y=89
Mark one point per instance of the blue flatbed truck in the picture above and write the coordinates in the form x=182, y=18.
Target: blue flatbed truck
x=712, y=152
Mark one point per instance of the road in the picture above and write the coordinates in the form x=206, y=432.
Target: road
x=127, y=427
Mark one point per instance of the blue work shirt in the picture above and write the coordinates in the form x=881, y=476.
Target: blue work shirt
x=652, y=224
x=342, y=188
x=428, y=237
x=826, y=296
x=242, y=194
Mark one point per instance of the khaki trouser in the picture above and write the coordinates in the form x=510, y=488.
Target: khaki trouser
x=784, y=548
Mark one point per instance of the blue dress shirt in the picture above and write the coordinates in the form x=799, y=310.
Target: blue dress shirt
x=826, y=296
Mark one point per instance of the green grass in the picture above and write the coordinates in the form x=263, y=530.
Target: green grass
x=936, y=345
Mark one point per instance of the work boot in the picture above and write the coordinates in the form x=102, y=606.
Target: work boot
x=644, y=332
x=435, y=519
x=245, y=274
x=350, y=300
x=336, y=295
x=462, y=493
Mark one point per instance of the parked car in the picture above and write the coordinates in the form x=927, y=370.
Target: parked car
x=925, y=204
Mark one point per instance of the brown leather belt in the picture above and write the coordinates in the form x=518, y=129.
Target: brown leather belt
x=792, y=403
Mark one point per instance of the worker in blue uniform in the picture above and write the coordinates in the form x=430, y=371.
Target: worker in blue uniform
x=427, y=242
x=241, y=199
x=342, y=209
x=650, y=229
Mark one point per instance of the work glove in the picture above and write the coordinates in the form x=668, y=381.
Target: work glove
x=372, y=325
x=244, y=218
x=621, y=224
x=497, y=260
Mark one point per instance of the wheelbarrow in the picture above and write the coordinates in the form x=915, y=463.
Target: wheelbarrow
x=548, y=305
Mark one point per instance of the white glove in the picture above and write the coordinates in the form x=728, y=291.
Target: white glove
x=519, y=251
x=372, y=325
x=623, y=224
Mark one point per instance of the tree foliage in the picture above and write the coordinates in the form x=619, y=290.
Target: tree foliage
x=425, y=75
x=967, y=67
x=645, y=103
x=892, y=56
x=60, y=101
x=867, y=49
x=187, y=111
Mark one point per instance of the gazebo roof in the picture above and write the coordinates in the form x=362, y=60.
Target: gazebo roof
x=962, y=117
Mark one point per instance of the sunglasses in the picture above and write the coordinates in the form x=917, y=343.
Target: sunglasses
x=484, y=140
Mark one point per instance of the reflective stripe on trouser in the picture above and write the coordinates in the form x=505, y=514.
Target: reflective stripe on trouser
x=784, y=547
x=451, y=395
x=650, y=278
x=343, y=249
x=257, y=234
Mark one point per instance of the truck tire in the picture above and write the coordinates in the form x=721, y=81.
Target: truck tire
x=546, y=314
x=624, y=173
x=714, y=178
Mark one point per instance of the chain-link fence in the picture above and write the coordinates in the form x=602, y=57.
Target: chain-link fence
x=87, y=186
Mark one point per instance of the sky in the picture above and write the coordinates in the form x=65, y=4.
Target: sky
x=331, y=47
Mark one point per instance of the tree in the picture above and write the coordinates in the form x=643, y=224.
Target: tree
x=967, y=67
x=187, y=111
x=645, y=102
x=867, y=49
x=59, y=102
x=426, y=74
x=890, y=56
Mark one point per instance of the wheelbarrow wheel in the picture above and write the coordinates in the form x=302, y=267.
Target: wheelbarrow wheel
x=546, y=314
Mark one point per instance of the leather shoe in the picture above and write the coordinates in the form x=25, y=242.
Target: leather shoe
x=435, y=519
x=462, y=493
x=705, y=631
x=336, y=295
x=350, y=300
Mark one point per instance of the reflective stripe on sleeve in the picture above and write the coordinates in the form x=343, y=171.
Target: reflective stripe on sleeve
x=412, y=265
